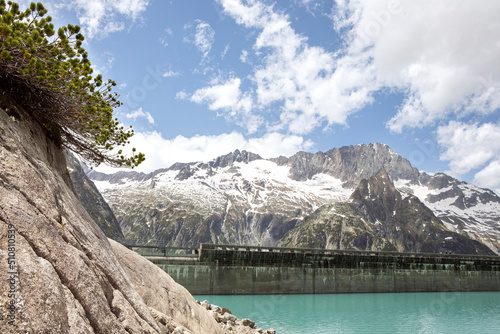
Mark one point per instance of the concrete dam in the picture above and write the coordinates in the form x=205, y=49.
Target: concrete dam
x=232, y=269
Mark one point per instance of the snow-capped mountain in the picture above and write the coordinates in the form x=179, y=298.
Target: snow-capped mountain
x=241, y=198
x=378, y=216
x=462, y=207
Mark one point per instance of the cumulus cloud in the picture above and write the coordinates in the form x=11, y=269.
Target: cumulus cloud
x=99, y=18
x=489, y=177
x=469, y=147
x=310, y=84
x=164, y=39
x=204, y=37
x=162, y=153
x=139, y=113
x=244, y=56
x=275, y=144
x=225, y=51
x=442, y=55
x=170, y=73
x=226, y=96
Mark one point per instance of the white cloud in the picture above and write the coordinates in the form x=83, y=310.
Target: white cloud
x=204, y=37
x=170, y=74
x=469, y=147
x=99, y=18
x=139, y=113
x=164, y=39
x=228, y=97
x=310, y=85
x=442, y=55
x=162, y=153
x=274, y=144
x=225, y=51
x=489, y=177
x=182, y=95
x=244, y=56
x=220, y=95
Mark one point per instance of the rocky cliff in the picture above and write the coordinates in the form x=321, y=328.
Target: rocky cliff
x=350, y=164
x=63, y=275
x=92, y=200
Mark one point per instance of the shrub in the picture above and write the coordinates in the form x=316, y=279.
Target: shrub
x=51, y=75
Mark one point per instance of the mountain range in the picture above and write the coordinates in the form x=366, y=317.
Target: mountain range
x=356, y=197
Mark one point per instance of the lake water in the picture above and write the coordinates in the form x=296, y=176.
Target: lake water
x=447, y=312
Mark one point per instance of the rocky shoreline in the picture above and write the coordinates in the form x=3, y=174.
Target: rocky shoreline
x=230, y=323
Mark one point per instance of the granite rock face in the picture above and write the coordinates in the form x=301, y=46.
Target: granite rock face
x=231, y=158
x=63, y=274
x=177, y=307
x=92, y=200
x=66, y=276
x=350, y=164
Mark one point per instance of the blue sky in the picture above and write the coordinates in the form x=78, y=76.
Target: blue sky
x=200, y=78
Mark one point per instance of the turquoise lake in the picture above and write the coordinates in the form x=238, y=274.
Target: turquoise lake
x=447, y=312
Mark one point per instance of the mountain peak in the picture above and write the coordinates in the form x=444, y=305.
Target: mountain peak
x=379, y=187
x=350, y=164
x=236, y=156
x=382, y=175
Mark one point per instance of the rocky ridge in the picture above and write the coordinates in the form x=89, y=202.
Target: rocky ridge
x=241, y=198
x=350, y=164
x=378, y=216
x=247, y=201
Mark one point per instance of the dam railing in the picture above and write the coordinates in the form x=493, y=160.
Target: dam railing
x=207, y=250
x=163, y=251
x=333, y=252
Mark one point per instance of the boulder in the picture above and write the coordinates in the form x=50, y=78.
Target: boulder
x=205, y=304
x=248, y=322
x=224, y=310
x=229, y=318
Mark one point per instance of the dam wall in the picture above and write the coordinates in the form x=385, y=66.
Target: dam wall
x=263, y=270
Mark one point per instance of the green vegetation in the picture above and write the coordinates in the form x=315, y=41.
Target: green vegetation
x=51, y=77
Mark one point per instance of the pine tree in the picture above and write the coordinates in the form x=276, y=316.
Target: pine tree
x=52, y=76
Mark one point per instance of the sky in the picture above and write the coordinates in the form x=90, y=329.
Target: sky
x=201, y=78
